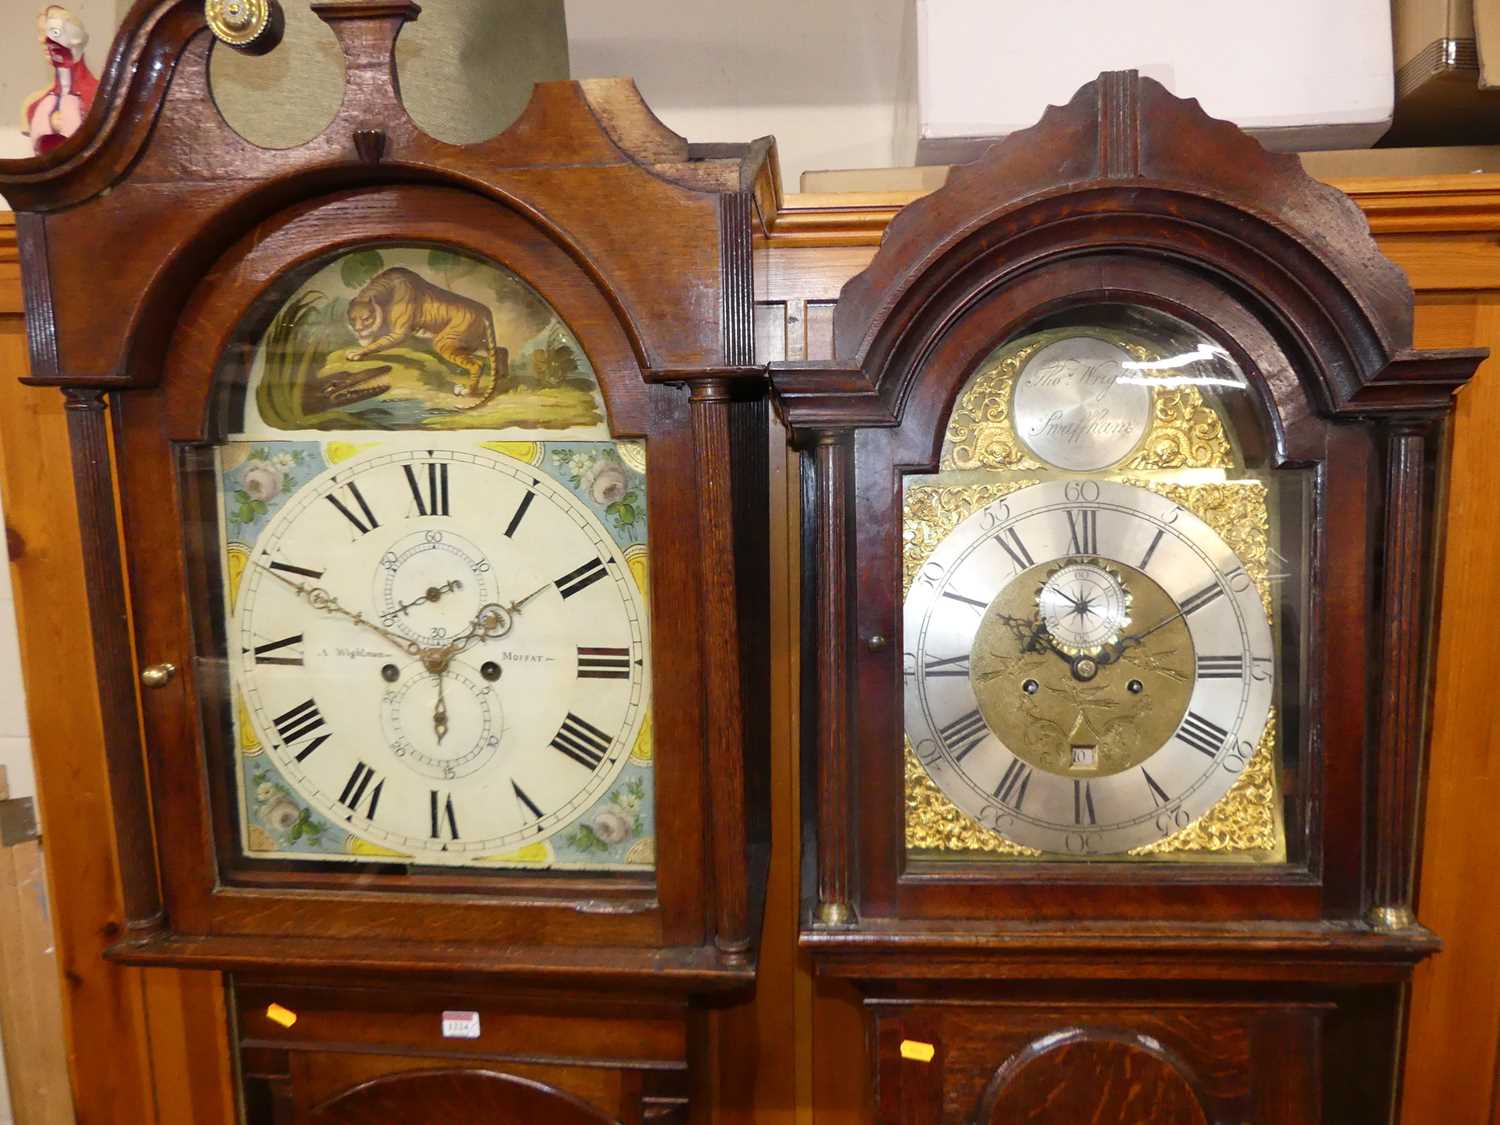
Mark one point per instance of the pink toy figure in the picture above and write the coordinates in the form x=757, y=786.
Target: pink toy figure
x=53, y=115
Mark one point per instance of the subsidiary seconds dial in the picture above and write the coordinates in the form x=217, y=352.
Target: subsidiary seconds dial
x=443, y=650
x=1088, y=667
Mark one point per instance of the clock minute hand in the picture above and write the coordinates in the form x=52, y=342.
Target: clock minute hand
x=321, y=599
x=493, y=621
x=1136, y=638
x=515, y=606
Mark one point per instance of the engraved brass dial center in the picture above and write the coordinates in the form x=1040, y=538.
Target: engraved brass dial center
x=1083, y=714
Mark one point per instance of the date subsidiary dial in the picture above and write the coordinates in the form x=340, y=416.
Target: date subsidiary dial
x=443, y=651
x=1088, y=667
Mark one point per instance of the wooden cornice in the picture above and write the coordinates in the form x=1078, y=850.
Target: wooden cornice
x=841, y=219
x=1448, y=204
x=1427, y=204
x=1418, y=205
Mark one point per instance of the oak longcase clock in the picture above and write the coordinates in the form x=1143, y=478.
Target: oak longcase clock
x=1119, y=551
x=440, y=524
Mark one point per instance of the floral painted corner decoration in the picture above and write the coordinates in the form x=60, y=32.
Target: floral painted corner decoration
x=619, y=819
x=598, y=473
x=280, y=820
x=264, y=476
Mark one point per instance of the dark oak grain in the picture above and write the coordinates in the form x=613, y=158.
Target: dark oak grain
x=1130, y=195
x=835, y=781
x=93, y=478
x=154, y=243
x=1398, y=762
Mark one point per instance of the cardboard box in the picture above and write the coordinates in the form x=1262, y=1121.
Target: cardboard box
x=1296, y=74
x=1447, y=72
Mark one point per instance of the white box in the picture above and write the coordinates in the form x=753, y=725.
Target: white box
x=1299, y=74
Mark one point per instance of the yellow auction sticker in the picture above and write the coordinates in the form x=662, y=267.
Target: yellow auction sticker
x=921, y=1052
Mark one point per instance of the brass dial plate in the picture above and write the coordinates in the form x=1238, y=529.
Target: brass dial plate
x=1081, y=712
x=1160, y=786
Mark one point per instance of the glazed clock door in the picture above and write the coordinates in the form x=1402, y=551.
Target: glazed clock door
x=1102, y=591
x=433, y=581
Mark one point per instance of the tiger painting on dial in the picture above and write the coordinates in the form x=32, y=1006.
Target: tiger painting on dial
x=418, y=337
x=397, y=306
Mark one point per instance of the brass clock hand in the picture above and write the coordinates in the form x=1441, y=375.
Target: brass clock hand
x=1041, y=641
x=1123, y=643
x=440, y=712
x=492, y=622
x=432, y=594
x=321, y=599
x=515, y=607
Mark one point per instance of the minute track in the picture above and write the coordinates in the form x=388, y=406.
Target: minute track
x=1118, y=811
x=566, y=663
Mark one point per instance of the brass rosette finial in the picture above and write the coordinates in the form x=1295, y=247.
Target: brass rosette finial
x=251, y=26
x=1084, y=605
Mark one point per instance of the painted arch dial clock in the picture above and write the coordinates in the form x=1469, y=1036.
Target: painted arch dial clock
x=434, y=595
x=1095, y=590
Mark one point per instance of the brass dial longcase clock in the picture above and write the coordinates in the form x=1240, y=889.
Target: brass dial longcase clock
x=439, y=475
x=1123, y=485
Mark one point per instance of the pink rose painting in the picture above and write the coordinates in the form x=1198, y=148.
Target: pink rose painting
x=599, y=474
x=263, y=476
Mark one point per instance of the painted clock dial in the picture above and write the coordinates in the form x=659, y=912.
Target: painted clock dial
x=434, y=561
x=1088, y=667
x=443, y=651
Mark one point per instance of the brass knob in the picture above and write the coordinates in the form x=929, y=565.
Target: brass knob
x=158, y=675
x=251, y=26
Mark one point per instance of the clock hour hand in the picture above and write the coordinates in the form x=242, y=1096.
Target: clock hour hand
x=440, y=711
x=321, y=599
x=1034, y=637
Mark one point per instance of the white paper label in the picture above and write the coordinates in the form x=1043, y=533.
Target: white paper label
x=460, y=1025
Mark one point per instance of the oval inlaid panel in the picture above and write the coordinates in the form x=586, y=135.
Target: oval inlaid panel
x=443, y=1097
x=1082, y=1077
